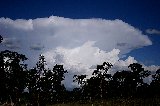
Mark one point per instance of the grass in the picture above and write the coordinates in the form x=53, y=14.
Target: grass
x=118, y=102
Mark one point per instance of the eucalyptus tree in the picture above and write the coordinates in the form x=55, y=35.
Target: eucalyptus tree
x=12, y=75
x=138, y=74
x=122, y=83
x=45, y=85
x=98, y=83
x=101, y=73
x=155, y=84
x=35, y=83
x=81, y=80
x=58, y=87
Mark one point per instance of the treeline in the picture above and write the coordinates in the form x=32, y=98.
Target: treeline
x=40, y=85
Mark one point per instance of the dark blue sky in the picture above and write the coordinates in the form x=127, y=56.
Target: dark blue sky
x=142, y=14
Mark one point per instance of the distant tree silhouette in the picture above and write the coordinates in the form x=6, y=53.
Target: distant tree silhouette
x=138, y=73
x=80, y=79
x=37, y=81
x=122, y=82
x=45, y=85
x=76, y=95
x=1, y=38
x=33, y=85
x=155, y=84
x=58, y=77
x=3, y=80
x=130, y=81
x=96, y=87
x=101, y=74
x=13, y=75
x=157, y=76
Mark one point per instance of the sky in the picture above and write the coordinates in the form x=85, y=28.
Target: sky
x=83, y=33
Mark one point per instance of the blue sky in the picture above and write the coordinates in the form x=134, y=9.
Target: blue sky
x=142, y=14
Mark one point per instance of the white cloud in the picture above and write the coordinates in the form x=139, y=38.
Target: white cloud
x=79, y=44
x=126, y=62
x=83, y=56
x=152, y=68
x=17, y=24
x=87, y=53
x=79, y=60
x=58, y=31
x=121, y=65
x=153, y=31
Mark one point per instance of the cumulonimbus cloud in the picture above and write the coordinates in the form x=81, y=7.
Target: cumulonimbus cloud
x=58, y=31
x=84, y=59
x=79, y=44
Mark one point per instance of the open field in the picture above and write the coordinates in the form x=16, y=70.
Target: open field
x=118, y=102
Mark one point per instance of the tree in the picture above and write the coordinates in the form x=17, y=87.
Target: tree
x=45, y=85
x=58, y=77
x=155, y=84
x=101, y=73
x=137, y=76
x=138, y=73
x=130, y=83
x=81, y=79
x=157, y=76
x=13, y=75
x=33, y=80
x=96, y=86
x=3, y=80
x=122, y=83
x=1, y=38
x=37, y=83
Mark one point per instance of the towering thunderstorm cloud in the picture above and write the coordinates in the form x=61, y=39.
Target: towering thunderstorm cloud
x=79, y=44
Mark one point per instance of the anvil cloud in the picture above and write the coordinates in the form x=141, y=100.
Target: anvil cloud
x=79, y=44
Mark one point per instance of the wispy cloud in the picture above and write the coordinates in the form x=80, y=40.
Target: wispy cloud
x=153, y=31
x=36, y=46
